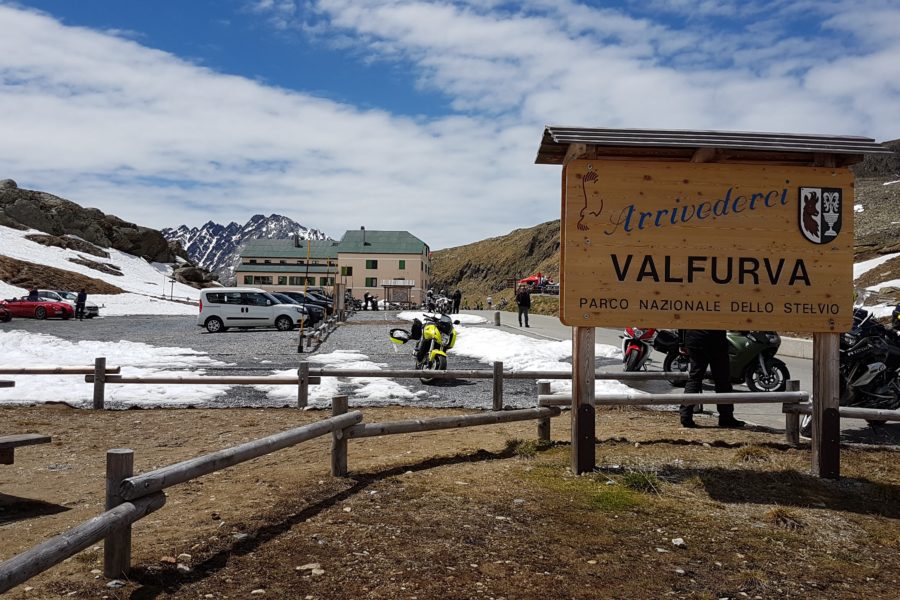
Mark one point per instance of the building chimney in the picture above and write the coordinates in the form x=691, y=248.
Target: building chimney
x=363, y=229
x=296, y=240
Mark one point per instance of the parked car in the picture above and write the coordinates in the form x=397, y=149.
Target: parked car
x=38, y=309
x=314, y=313
x=313, y=299
x=91, y=310
x=221, y=308
x=5, y=315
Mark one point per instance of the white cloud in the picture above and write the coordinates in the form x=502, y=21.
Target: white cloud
x=108, y=122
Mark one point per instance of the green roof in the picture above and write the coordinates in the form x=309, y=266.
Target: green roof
x=376, y=242
x=295, y=269
x=267, y=248
x=381, y=242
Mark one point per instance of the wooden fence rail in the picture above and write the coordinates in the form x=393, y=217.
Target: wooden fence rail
x=154, y=481
x=55, y=370
x=662, y=399
x=23, y=567
x=789, y=400
x=364, y=430
x=849, y=412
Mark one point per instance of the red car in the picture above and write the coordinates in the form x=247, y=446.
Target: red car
x=40, y=309
x=4, y=315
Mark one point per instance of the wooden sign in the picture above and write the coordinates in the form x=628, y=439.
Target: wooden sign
x=706, y=246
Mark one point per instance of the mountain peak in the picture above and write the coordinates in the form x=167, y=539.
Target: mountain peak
x=217, y=247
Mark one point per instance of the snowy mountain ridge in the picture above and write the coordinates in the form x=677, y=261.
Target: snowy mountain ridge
x=216, y=247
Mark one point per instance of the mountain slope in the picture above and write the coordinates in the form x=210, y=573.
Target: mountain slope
x=482, y=269
x=217, y=247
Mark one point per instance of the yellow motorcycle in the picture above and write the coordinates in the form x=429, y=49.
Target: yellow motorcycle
x=433, y=339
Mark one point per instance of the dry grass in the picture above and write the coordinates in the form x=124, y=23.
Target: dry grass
x=467, y=513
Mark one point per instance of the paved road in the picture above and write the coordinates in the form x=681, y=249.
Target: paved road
x=764, y=415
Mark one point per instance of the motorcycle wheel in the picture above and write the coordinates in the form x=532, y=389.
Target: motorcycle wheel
x=775, y=381
x=438, y=364
x=632, y=361
x=677, y=362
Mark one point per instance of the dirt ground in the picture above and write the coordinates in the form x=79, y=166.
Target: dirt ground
x=481, y=512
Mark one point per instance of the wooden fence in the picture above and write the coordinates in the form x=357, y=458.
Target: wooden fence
x=130, y=497
x=317, y=334
x=307, y=376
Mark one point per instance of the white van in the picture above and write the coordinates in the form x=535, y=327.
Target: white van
x=224, y=307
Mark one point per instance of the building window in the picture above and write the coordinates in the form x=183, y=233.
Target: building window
x=326, y=280
x=267, y=261
x=371, y=282
x=284, y=262
x=346, y=271
x=262, y=280
x=295, y=280
x=282, y=280
x=248, y=279
x=371, y=264
x=252, y=261
x=402, y=265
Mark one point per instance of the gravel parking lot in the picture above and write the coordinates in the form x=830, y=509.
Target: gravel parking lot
x=262, y=351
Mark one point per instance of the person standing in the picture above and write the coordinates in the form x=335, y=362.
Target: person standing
x=490, y=303
x=366, y=301
x=708, y=348
x=80, y=300
x=33, y=295
x=523, y=300
x=457, y=300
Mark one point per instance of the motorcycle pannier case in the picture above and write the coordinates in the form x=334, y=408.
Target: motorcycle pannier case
x=665, y=341
x=416, y=333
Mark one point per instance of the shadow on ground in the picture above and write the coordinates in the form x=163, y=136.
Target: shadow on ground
x=156, y=581
x=792, y=488
x=14, y=508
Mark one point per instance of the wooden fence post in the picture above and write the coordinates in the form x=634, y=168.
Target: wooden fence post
x=99, y=382
x=338, y=440
x=303, y=384
x=543, y=425
x=498, y=385
x=583, y=421
x=497, y=318
x=792, y=419
x=826, y=421
x=117, y=545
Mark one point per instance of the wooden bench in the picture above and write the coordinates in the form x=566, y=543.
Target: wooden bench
x=9, y=443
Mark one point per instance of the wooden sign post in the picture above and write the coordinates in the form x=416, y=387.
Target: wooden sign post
x=706, y=230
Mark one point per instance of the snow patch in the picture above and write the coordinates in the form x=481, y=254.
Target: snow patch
x=24, y=349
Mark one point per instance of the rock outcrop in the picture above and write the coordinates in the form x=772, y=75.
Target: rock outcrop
x=23, y=209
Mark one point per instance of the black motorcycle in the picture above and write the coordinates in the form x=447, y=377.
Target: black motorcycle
x=869, y=368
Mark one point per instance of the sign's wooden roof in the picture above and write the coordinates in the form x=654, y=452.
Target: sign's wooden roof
x=728, y=146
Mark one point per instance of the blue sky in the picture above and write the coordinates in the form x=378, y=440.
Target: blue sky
x=414, y=115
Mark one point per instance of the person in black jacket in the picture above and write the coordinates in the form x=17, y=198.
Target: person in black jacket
x=457, y=300
x=80, y=299
x=708, y=348
x=523, y=300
